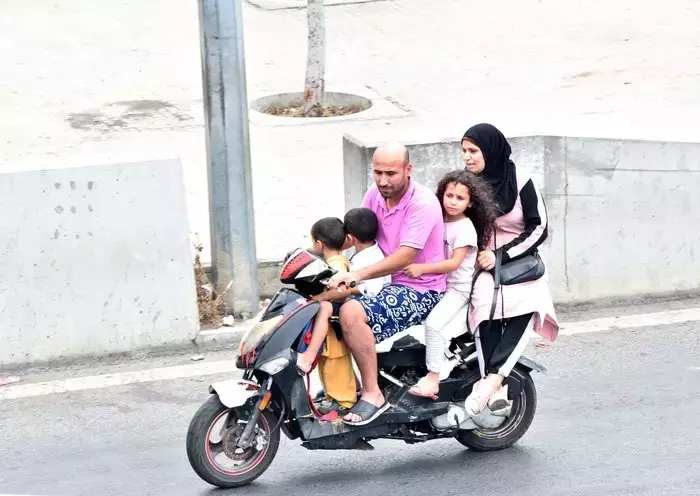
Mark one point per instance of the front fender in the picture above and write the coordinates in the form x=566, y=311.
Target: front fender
x=234, y=392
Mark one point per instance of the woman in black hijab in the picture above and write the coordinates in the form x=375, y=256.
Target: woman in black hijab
x=520, y=229
x=498, y=169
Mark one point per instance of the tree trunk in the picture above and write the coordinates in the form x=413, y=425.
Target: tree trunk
x=315, y=84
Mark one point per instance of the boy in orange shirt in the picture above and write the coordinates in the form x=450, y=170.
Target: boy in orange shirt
x=335, y=363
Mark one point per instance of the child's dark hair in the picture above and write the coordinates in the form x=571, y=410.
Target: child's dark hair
x=361, y=223
x=329, y=231
x=483, y=211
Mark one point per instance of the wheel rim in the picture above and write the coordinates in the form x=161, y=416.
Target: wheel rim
x=512, y=421
x=223, y=455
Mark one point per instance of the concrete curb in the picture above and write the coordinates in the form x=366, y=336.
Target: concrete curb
x=229, y=336
x=574, y=320
x=223, y=338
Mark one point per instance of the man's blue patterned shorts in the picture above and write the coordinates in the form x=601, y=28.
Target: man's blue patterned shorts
x=396, y=308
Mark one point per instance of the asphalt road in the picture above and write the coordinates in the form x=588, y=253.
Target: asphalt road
x=617, y=415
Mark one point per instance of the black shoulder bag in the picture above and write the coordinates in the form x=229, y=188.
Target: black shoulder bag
x=527, y=268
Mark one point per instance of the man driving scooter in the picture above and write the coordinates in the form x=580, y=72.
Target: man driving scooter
x=411, y=230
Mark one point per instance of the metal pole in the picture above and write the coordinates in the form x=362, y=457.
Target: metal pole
x=231, y=219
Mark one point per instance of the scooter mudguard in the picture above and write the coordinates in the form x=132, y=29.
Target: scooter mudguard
x=234, y=392
x=530, y=364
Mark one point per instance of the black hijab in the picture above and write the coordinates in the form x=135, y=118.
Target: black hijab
x=500, y=169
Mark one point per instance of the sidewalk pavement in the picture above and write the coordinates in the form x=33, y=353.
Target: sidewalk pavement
x=87, y=83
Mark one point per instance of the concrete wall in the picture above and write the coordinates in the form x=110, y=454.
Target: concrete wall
x=95, y=260
x=622, y=213
x=268, y=276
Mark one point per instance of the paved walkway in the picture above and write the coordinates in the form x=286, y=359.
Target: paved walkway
x=83, y=82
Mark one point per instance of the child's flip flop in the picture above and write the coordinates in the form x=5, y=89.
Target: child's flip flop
x=367, y=412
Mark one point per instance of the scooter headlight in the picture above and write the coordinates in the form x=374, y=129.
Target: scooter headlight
x=275, y=365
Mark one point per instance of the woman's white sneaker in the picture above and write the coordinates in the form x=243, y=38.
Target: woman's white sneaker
x=499, y=403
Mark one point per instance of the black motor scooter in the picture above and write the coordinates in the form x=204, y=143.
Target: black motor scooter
x=233, y=437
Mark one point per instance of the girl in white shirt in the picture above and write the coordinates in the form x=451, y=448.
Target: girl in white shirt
x=470, y=214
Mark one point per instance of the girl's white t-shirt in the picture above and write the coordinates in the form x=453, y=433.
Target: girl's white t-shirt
x=459, y=234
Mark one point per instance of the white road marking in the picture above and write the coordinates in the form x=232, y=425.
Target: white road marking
x=631, y=321
x=117, y=379
x=225, y=366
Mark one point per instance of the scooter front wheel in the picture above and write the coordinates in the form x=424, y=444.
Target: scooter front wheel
x=212, y=448
x=515, y=426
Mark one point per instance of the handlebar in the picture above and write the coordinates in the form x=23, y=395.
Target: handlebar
x=352, y=284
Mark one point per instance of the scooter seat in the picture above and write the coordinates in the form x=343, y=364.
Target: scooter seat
x=410, y=339
x=414, y=336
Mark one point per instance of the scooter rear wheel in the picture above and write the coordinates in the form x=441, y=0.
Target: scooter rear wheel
x=515, y=426
x=212, y=451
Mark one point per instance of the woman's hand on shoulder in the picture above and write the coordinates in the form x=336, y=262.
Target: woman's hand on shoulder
x=486, y=259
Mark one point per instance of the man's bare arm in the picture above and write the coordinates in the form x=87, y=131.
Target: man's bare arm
x=395, y=262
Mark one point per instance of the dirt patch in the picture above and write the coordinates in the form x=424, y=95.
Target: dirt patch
x=211, y=306
x=88, y=121
x=330, y=111
x=129, y=115
x=582, y=75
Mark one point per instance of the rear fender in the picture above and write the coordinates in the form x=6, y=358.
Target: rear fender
x=530, y=364
x=524, y=362
x=234, y=392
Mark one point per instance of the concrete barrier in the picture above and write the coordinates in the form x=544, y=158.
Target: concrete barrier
x=622, y=213
x=268, y=276
x=95, y=260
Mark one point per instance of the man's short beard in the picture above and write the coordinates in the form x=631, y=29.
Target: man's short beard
x=396, y=191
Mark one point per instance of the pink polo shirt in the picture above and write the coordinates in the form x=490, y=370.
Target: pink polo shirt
x=415, y=222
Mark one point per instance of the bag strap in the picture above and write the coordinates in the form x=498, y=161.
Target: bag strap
x=471, y=293
x=496, y=289
x=311, y=400
x=496, y=284
x=497, y=269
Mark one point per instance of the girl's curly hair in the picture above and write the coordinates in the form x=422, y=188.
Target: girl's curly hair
x=483, y=211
